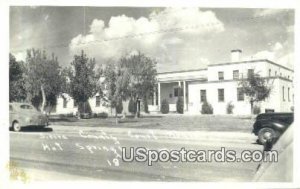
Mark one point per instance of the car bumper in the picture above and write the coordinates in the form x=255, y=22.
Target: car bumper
x=43, y=122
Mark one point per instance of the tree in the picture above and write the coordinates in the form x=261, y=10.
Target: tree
x=255, y=88
x=43, y=79
x=84, y=81
x=17, y=90
x=136, y=77
x=110, y=74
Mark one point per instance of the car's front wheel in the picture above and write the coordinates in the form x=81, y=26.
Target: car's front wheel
x=16, y=126
x=266, y=133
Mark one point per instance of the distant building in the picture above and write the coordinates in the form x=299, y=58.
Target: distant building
x=67, y=105
x=217, y=84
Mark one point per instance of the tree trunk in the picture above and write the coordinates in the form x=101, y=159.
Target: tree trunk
x=123, y=111
x=116, y=115
x=137, y=106
x=43, y=99
x=251, y=104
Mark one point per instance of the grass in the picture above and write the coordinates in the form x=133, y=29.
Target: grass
x=174, y=122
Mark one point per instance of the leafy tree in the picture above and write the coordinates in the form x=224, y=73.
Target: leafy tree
x=255, y=88
x=43, y=79
x=17, y=90
x=110, y=74
x=84, y=80
x=136, y=77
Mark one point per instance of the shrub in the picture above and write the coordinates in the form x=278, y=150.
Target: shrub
x=207, y=108
x=119, y=107
x=256, y=110
x=180, y=105
x=165, y=107
x=229, y=108
x=102, y=115
x=132, y=106
x=68, y=115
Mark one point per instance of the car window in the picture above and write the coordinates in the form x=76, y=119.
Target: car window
x=285, y=119
x=26, y=106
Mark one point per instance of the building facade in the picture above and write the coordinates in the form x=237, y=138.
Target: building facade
x=218, y=84
x=67, y=105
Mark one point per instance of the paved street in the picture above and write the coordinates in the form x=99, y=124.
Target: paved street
x=69, y=153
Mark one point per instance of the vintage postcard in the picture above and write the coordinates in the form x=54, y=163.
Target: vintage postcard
x=159, y=93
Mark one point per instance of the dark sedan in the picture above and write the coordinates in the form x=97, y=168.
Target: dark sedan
x=271, y=125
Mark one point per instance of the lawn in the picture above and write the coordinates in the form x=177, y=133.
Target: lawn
x=170, y=122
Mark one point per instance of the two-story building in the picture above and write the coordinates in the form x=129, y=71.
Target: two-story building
x=218, y=84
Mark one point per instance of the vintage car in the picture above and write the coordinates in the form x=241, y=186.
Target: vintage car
x=271, y=125
x=282, y=169
x=24, y=115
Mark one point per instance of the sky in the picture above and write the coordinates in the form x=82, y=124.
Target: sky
x=177, y=38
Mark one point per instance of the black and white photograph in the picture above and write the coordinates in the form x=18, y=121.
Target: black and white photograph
x=161, y=94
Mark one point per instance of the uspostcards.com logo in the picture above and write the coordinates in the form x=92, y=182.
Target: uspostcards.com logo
x=142, y=154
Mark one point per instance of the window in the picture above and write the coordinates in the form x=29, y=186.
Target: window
x=250, y=73
x=283, y=94
x=293, y=98
x=65, y=102
x=221, y=95
x=240, y=94
x=275, y=73
x=221, y=75
x=289, y=95
x=178, y=92
x=202, y=95
x=288, y=77
x=10, y=108
x=97, y=101
x=26, y=107
x=269, y=72
x=235, y=74
x=75, y=103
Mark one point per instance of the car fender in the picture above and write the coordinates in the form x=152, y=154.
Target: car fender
x=275, y=125
x=20, y=119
